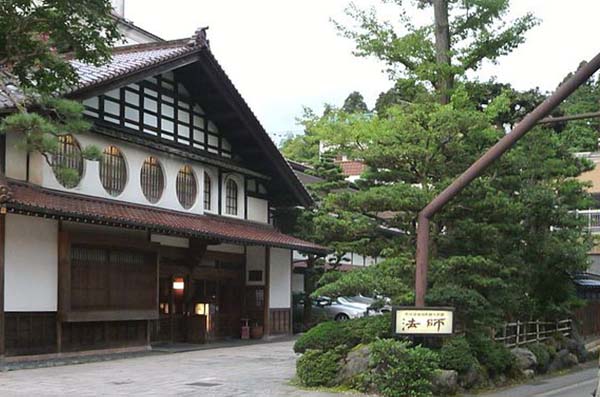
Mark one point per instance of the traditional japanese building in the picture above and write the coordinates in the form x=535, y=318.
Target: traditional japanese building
x=169, y=236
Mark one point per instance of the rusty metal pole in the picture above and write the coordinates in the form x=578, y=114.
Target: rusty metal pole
x=477, y=168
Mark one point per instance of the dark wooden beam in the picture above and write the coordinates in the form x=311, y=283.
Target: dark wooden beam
x=267, y=320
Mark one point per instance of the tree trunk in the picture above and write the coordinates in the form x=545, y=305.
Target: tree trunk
x=442, y=50
x=309, y=288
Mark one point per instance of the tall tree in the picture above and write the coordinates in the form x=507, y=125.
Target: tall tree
x=463, y=34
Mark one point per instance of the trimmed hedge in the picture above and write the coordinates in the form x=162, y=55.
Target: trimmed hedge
x=326, y=336
x=457, y=355
x=542, y=354
x=495, y=357
x=400, y=371
x=318, y=368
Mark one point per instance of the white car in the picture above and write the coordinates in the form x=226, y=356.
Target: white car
x=345, y=308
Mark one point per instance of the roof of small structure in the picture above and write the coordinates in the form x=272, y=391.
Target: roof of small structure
x=24, y=198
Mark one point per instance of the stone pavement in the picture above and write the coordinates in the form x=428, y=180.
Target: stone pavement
x=256, y=370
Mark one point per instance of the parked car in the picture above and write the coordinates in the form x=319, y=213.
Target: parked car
x=347, y=307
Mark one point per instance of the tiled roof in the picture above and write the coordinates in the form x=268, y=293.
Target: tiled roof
x=301, y=264
x=352, y=167
x=125, y=60
x=27, y=198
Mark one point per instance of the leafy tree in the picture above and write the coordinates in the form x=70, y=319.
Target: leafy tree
x=355, y=103
x=36, y=38
x=465, y=33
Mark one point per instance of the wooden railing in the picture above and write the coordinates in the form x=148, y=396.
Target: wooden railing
x=522, y=333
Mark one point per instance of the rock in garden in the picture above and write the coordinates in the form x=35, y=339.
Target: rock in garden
x=473, y=377
x=356, y=362
x=528, y=373
x=564, y=359
x=525, y=359
x=444, y=382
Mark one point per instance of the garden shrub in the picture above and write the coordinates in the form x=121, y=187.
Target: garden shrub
x=495, y=357
x=400, y=371
x=318, y=368
x=328, y=335
x=542, y=354
x=457, y=355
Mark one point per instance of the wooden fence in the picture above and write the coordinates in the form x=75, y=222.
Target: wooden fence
x=522, y=333
x=588, y=319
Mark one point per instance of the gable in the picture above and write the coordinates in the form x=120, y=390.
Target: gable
x=161, y=107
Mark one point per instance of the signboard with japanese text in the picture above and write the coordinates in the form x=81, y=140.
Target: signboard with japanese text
x=429, y=321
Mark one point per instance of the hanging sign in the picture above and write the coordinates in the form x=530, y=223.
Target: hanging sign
x=429, y=321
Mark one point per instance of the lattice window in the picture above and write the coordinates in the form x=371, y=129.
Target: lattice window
x=67, y=161
x=231, y=197
x=186, y=187
x=152, y=179
x=207, y=192
x=160, y=106
x=113, y=171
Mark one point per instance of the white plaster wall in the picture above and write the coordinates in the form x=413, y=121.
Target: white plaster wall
x=258, y=210
x=31, y=264
x=255, y=260
x=91, y=185
x=16, y=159
x=280, y=274
x=297, y=282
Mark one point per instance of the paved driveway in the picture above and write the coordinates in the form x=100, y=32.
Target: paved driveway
x=256, y=370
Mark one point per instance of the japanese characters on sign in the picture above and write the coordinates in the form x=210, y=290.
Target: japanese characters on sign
x=424, y=322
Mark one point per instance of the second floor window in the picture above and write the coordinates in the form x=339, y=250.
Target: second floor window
x=67, y=161
x=152, y=179
x=186, y=187
x=207, y=191
x=113, y=171
x=231, y=198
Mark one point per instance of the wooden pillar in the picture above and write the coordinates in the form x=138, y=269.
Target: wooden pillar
x=267, y=321
x=2, y=265
x=64, y=282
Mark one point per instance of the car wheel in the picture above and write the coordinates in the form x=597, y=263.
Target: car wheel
x=342, y=317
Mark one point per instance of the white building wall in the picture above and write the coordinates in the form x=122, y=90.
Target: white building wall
x=135, y=156
x=255, y=260
x=258, y=210
x=280, y=279
x=31, y=260
x=16, y=159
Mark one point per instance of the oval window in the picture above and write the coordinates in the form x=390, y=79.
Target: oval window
x=113, y=171
x=152, y=179
x=67, y=161
x=186, y=187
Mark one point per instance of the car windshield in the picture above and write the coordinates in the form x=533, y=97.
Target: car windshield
x=359, y=299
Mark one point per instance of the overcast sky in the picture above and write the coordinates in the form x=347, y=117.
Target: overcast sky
x=286, y=54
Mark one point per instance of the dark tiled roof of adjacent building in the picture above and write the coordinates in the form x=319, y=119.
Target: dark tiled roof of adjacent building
x=31, y=199
x=352, y=167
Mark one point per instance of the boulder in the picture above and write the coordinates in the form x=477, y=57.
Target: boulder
x=474, y=377
x=524, y=358
x=564, y=359
x=444, y=382
x=577, y=347
x=355, y=363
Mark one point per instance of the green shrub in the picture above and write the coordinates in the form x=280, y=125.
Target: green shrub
x=400, y=371
x=495, y=357
x=328, y=335
x=542, y=354
x=318, y=368
x=457, y=355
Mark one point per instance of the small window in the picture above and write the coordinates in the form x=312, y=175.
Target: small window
x=152, y=179
x=113, y=171
x=255, y=275
x=231, y=198
x=67, y=161
x=186, y=187
x=207, y=192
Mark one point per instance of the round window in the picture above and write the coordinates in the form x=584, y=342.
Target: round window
x=67, y=161
x=186, y=187
x=113, y=171
x=152, y=179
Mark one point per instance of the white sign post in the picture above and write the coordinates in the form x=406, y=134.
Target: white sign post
x=429, y=321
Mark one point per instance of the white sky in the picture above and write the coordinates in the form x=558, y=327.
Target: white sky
x=286, y=54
